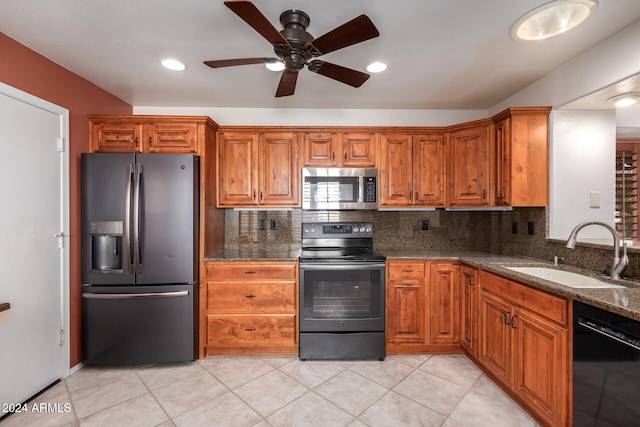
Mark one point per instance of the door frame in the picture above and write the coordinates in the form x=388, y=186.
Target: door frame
x=63, y=116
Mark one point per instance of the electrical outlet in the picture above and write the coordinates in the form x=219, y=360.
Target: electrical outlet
x=531, y=227
x=514, y=227
x=274, y=224
x=424, y=224
x=262, y=225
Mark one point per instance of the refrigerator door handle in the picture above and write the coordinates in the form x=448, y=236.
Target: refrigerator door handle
x=141, y=295
x=136, y=219
x=126, y=255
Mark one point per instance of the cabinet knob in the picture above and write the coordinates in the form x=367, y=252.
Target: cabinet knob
x=505, y=317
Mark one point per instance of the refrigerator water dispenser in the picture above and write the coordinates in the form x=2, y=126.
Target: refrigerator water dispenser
x=106, y=245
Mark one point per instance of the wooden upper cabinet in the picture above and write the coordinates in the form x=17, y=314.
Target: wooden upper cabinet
x=115, y=137
x=146, y=134
x=279, y=172
x=359, y=149
x=319, y=149
x=237, y=169
x=170, y=138
x=395, y=169
x=469, y=173
x=429, y=170
x=339, y=149
x=522, y=157
x=412, y=169
x=258, y=168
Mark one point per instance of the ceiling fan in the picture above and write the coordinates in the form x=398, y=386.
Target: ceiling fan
x=295, y=47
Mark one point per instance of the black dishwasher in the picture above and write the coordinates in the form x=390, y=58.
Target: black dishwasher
x=606, y=368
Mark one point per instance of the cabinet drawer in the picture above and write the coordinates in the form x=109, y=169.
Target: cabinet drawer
x=251, y=331
x=408, y=270
x=542, y=303
x=251, y=297
x=250, y=271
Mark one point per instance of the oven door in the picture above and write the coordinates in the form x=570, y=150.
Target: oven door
x=342, y=297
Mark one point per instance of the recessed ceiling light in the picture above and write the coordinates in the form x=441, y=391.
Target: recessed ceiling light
x=552, y=19
x=173, y=64
x=275, y=66
x=376, y=67
x=625, y=100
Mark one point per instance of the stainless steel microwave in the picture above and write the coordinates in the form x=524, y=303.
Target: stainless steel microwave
x=339, y=188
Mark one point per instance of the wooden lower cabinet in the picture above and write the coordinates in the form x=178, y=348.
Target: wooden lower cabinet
x=523, y=345
x=422, y=307
x=468, y=282
x=251, y=308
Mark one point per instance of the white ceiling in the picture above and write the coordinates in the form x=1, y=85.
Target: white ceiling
x=442, y=54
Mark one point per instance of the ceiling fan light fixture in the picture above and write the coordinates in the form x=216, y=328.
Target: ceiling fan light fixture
x=376, y=67
x=552, y=19
x=625, y=100
x=275, y=66
x=173, y=64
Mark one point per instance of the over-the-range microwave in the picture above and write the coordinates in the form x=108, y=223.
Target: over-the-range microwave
x=339, y=188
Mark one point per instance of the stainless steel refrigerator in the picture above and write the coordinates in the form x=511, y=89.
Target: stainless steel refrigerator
x=139, y=258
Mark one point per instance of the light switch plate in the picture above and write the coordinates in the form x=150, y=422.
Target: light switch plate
x=594, y=199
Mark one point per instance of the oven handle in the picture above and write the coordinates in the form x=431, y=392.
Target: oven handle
x=342, y=267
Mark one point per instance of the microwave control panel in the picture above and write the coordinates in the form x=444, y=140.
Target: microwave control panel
x=370, y=189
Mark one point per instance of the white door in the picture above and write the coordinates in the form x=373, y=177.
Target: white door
x=33, y=267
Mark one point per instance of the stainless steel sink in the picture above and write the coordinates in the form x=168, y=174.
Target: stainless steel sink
x=566, y=278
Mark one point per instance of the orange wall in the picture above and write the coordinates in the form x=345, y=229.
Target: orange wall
x=24, y=69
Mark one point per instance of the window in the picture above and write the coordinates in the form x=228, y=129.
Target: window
x=626, y=215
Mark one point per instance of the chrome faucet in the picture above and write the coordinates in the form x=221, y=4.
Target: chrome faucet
x=619, y=265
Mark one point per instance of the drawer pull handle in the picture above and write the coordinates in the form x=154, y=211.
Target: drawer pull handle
x=249, y=329
x=250, y=296
x=407, y=284
x=249, y=272
x=408, y=270
x=513, y=322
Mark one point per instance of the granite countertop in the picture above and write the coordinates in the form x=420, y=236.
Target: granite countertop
x=277, y=253
x=625, y=302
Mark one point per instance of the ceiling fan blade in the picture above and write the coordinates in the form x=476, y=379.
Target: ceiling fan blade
x=337, y=72
x=250, y=14
x=287, y=85
x=240, y=61
x=355, y=31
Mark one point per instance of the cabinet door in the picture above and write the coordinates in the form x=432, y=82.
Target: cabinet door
x=495, y=352
x=171, y=137
x=396, y=179
x=541, y=357
x=237, y=169
x=113, y=137
x=279, y=172
x=522, y=169
x=444, y=306
x=359, y=149
x=503, y=162
x=406, y=311
x=468, y=308
x=319, y=149
x=429, y=168
x=469, y=167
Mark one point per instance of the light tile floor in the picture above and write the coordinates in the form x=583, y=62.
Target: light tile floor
x=403, y=390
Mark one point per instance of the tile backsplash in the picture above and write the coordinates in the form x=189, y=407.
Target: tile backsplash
x=498, y=232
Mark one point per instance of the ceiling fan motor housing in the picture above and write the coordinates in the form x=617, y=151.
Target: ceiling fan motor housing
x=295, y=23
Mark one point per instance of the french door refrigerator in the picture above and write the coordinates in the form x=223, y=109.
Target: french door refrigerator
x=139, y=258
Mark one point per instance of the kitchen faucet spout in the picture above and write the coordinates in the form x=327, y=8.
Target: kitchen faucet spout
x=619, y=264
